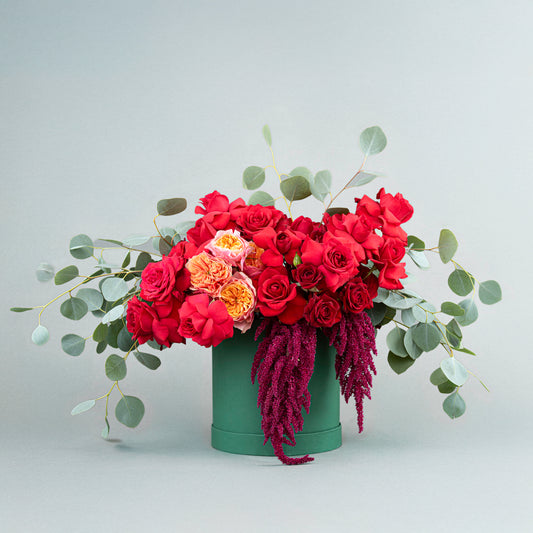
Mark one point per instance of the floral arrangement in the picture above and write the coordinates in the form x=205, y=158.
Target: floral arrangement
x=244, y=265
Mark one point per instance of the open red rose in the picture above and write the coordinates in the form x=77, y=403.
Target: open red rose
x=391, y=251
x=277, y=296
x=307, y=275
x=390, y=275
x=206, y=323
x=355, y=296
x=322, y=311
x=369, y=210
x=278, y=245
x=394, y=209
x=158, y=279
x=139, y=320
x=212, y=202
x=254, y=218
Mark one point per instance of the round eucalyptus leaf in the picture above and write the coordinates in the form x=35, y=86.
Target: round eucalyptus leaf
x=376, y=313
x=82, y=407
x=424, y=312
x=135, y=240
x=454, y=371
x=321, y=184
x=408, y=318
x=490, y=292
x=100, y=333
x=92, y=297
x=419, y=259
x=452, y=309
x=171, y=206
x=411, y=347
x=426, y=336
x=74, y=308
x=395, y=342
x=148, y=360
x=142, y=261
x=399, y=301
x=382, y=295
x=40, y=335
x=399, y=364
x=471, y=312
x=105, y=431
x=302, y=171
x=125, y=340
x=115, y=367
x=454, y=333
x=73, y=344
x=129, y=411
x=415, y=242
x=454, y=405
x=253, y=177
x=267, y=135
x=447, y=245
x=81, y=247
x=372, y=140
x=438, y=377
x=100, y=347
x=114, y=288
x=361, y=178
x=156, y=346
x=446, y=387
x=66, y=274
x=44, y=272
x=295, y=188
x=261, y=198
x=113, y=314
x=460, y=282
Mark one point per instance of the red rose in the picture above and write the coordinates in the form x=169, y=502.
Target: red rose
x=212, y=202
x=370, y=281
x=339, y=262
x=390, y=275
x=166, y=324
x=277, y=296
x=278, y=245
x=355, y=296
x=139, y=319
x=207, y=226
x=254, y=218
x=391, y=251
x=322, y=311
x=394, y=209
x=315, y=230
x=369, y=210
x=207, y=324
x=158, y=279
x=307, y=275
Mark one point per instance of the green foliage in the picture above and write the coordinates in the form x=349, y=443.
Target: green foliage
x=129, y=411
x=115, y=367
x=446, y=387
x=447, y=245
x=461, y=282
x=40, y=335
x=424, y=312
x=454, y=371
x=105, y=431
x=171, y=206
x=400, y=301
x=100, y=333
x=412, y=348
x=337, y=211
x=66, y=274
x=454, y=405
x=82, y=407
x=148, y=360
x=471, y=312
x=419, y=259
x=81, y=247
x=360, y=179
x=321, y=184
x=261, y=198
x=415, y=242
x=74, y=308
x=454, y=333
x=426, y=336
x=92, y=297
x=253, y=177
x=113, y=314
x=399, y=364
x=372, y=141
x=376, y=313
x=20, y=309
x=73, y=344
x=490, y=292
x=142, y=261
x=44, y=272
x=267, y=135
x=438, y=377
x=302, y=171
x=295, y=188
x=137, y=239
x=452, y=309
x=125, y=340
x=114, y=288
x=395, y=342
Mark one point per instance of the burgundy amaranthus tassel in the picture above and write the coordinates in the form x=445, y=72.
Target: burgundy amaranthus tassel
x=283, y=365
x=354, y=339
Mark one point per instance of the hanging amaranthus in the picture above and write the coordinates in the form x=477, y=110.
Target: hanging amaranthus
x=283, y=366
x=354, y=339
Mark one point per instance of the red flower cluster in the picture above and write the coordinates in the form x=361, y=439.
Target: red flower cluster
x=241, y=259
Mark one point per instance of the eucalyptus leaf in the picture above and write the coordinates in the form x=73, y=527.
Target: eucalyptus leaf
x=137, y=239
x=419, y=259
x=398, y=301
x=490, y=292
x=100, y=333
x=73, y=344
x=438, y=377
x=302, y=171
x=415, y=242
x=40, y=335
x=454, y=405
x=112, y=333
x=171, y=206
x=183, y=227
x=44, y=272
x=105, y=431
x=295, y=188
x=424, y=312
x=321, y=184
x=452, y=309
x=382, y=295
x=142, y=261
x=408, y=318
x=115, y=368
x=460, y=282
x=125, y=340
x=454, y=371
x=20, y=309
x=261, y=198
x=395, y=342
x=454, y=333
x=471, y=312
x=83, y=406
x=267, y=135
x=446, y=387
x=361, y=178
x=376, y=313
x=465, y=350
x=81, y=247
x=337, y=211
x=114, y=288
x=148, y=360
x=411, y=347
x=66, y=274
x=253, y=177
x=447, y=245
x=399, y=364
x=113, y=314
x=100, y=347
x=372, y=140
x=74, y=308
x=92, y=297
x=426, y=336
x=129, y=411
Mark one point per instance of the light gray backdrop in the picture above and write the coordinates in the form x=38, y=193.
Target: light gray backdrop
x=109, y=106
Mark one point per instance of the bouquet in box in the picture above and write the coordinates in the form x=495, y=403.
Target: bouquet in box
x=248, y=264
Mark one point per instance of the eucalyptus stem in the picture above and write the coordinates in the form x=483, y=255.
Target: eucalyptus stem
x=349, y=181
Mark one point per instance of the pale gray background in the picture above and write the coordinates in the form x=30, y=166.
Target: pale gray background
x=109, y=106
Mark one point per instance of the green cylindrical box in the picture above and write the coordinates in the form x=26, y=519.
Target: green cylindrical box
x=237, y=419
